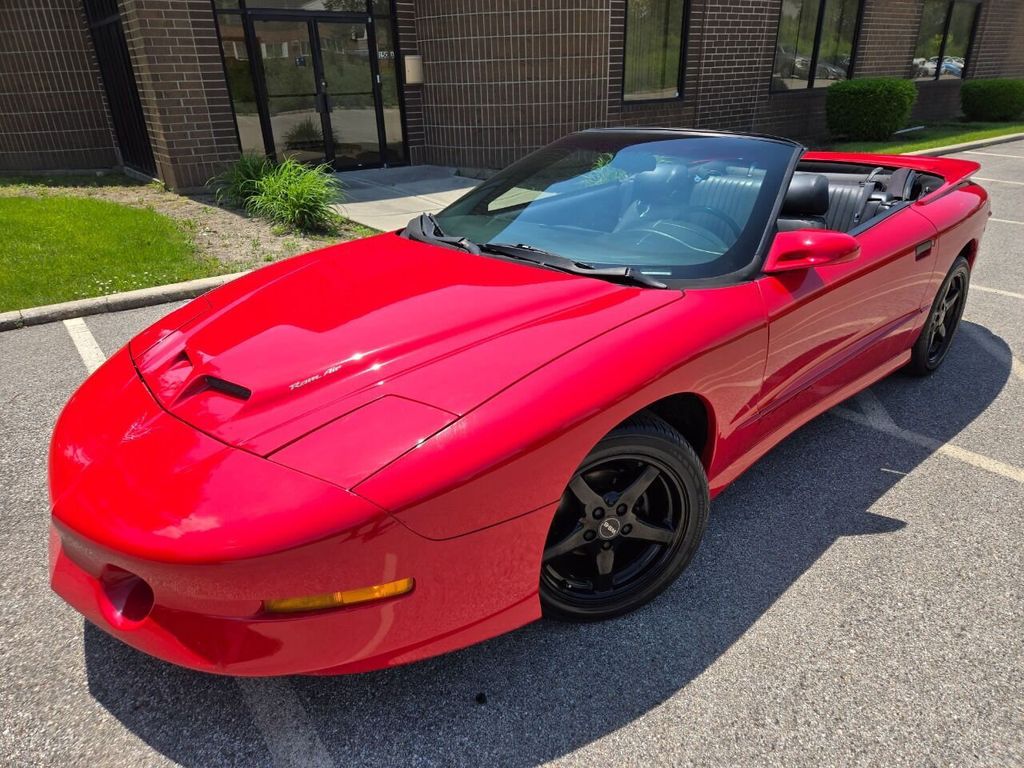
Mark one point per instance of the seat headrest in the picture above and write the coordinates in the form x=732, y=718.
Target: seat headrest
x=807, y=196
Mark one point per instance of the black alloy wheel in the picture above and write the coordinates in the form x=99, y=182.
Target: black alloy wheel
x=630, y=520
x=932, y=345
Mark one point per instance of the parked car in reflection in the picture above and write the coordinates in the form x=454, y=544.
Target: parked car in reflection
x=951, y=65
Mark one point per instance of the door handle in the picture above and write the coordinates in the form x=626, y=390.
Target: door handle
x=923, y=249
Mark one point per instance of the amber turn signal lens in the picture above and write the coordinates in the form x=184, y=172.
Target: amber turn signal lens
x=339, y=599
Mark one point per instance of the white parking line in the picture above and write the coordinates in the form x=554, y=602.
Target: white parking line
x=992, y=154
x=1000, y=181
x=283, y=722
x=870, y=418
x=1006, y=221
x=85, y=343
x=999, y=291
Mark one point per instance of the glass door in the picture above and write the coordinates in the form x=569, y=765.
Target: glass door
x=348, y=84
x=324, y=87
x=293, y=100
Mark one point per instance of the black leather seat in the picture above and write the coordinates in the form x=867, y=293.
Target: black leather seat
x=806, y=204
x=733, y=194
x=847, y=203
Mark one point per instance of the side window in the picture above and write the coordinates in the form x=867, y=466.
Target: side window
x=815, y=43
x=653, y=56
x=944, y=39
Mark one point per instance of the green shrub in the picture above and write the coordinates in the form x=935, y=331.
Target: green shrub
x=869, y=109
x=297, y=196
x=238, y=183
x=989, y=100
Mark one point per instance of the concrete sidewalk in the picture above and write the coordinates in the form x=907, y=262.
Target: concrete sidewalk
x=386, y=198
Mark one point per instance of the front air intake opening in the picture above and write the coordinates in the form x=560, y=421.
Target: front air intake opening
x=129, y=598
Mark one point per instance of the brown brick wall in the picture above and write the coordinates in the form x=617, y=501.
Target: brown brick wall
x=502, y=77
x=735, y=62
x=505, y=76
x=184, y=94
x=52, y=110
x=888, y=35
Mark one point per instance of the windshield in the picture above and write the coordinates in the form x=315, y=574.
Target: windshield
x=671, y=205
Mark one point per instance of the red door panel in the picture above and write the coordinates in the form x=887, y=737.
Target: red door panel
x=847, y=317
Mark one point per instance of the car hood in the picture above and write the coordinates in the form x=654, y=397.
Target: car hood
x=273, y=355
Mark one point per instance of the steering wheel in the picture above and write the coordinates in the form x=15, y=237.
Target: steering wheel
x=722, y=217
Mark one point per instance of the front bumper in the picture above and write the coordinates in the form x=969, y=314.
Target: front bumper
x=209, y=618
x=171, y=541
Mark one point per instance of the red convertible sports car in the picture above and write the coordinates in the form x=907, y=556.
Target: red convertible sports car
x=396, y=447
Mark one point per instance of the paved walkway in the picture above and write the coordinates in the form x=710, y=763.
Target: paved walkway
x=386, y=198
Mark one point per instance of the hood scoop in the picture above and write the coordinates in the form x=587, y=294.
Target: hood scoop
x=197, y=385
x=179, y=375
x=228, y=387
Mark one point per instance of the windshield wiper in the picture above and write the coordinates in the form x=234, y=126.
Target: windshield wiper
x=426, y=229
x=539, y=256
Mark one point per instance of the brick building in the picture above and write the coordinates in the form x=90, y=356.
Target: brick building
x=177, y=88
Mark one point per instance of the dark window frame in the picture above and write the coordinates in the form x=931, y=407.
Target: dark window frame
x=684, y=45
x=950, y=8
x=816, y=48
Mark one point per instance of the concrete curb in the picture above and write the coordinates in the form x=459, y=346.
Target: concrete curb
x=144, y=297
x=950, y=149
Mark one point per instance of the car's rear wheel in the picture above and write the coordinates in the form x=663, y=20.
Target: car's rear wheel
x=628, y=523
x=948, y=307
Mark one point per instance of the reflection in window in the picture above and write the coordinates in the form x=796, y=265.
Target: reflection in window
x=343, y=6
x=944, y=36
x=835, y=53
x=389, y=95
x=807, y=56
x=243, y=94
x=654, y=45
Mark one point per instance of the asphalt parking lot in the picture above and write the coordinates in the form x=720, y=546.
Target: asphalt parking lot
x=859, y=599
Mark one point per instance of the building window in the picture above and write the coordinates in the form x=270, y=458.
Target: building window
x=815, y=43
x=654, y=50
x=947, y=27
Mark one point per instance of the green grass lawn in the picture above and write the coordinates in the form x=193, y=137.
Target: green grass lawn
x=62, y=248
x=930, y=137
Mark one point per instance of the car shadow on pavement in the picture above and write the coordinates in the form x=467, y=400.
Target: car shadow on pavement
x=550, y=688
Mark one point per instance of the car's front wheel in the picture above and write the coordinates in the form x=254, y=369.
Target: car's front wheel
x=628, y=523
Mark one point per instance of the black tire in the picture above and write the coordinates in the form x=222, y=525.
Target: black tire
x=664, y=491
x=933, y=344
